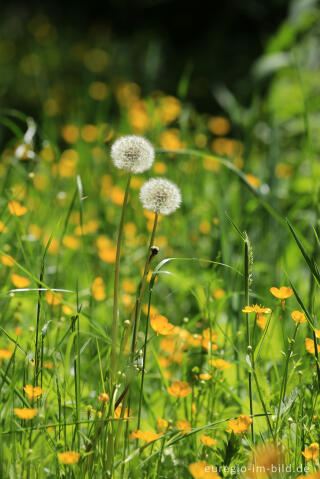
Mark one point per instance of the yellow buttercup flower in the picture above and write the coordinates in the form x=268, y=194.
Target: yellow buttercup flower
x=5, y=354
x=161, y=325
x=8, y=260
x=241, y=424
x=25, y=413
x=264, y=456
x=19, y=281
x=179, y=389
x=162, y=424
x=16, y=209
x=69, y=457
x=202, y=470
x=208, y=441
x=98, y=289
x=312, y=452
x=117, y=412
x=255, y=308
x=298, y=317
x=53, y=299
x=220, y=364
x=282, y=293
x=310, y=346
x=33, y=392
x=103, y=397
x=146, y=436
x=183, y=426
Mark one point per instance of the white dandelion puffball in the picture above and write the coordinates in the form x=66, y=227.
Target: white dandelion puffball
x=160, y=196
x=132, y=153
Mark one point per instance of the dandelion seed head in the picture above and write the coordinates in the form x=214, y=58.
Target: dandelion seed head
x=132, y=153
x=160, y=196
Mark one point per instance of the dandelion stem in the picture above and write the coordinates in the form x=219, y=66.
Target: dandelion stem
x=142, y=287
x=113, y=359
x=144, y=360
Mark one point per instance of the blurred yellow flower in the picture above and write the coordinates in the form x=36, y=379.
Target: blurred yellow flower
x=219, y=293
x=7, y=260
x=117, y=412
x=89, y=133
x=146, y=436
x=202, y=470
x=312, y=452
x=208, y=441
x=3, y=228
x=162, y=424
x=68, y=163
x=169, y=109
x=161, y=325
x=103, y=397
x=98, y=90
x=240, y=425
x=264, y=457
x=116, y=194
x=53, y=299
x=69, y=457
x=70, y=133
x=138, y=117
x=310, y=346
x=179, y=389
x=159, y=167
x=220, y=364
x=98, y=290
x=25, y=413
x=71, y=242
x=253, y=180
x=33, y=392
x=298, y=317
x=170, y=140
x=281, y=293
x=183, y=426
x=5, y=354
x=19, y=281
x=219, y=125
x=16, y=209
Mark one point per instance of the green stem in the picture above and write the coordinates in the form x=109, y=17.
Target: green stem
x=150, y=255
x=113, y=359
x=249, y=346
x=144, y=362
x=285, y=377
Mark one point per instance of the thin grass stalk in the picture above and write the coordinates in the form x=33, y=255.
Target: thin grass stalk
x=249, y=347
x=36, y=352
x=285, y=377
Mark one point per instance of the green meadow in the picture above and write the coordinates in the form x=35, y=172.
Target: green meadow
x=162, y=329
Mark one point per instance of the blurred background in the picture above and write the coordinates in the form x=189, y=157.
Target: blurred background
x=188, y=51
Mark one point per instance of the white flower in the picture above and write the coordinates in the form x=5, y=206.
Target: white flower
x=160, y=196
x=132, y=153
